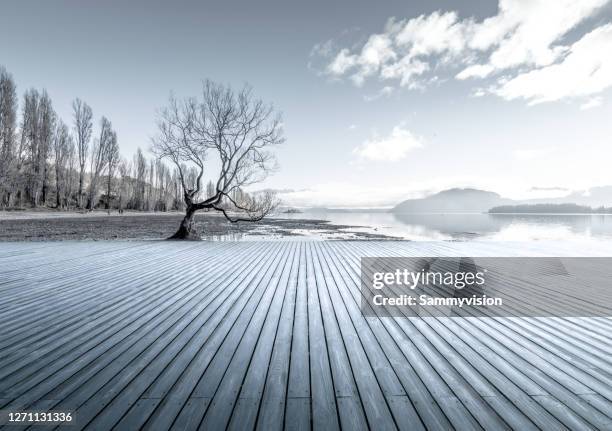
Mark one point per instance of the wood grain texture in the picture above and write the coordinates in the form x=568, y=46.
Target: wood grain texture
x=270, y=335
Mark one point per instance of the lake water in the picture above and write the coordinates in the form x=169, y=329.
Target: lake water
x=496, y=227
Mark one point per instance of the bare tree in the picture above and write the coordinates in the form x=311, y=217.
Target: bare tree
x=177, y=194
x=150, y=186
x=45, y=135
x=37, y=129
x=239, y=130
x=99, y=159
x=83, y=127
x=140, y=166
x=61, y=152
x=72, y=175
x=124, y=170
x=112, y=160
x=8, y=126
x=162, y=181
x=28, y=147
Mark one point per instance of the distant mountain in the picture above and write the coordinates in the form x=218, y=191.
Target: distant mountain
x=453, y=201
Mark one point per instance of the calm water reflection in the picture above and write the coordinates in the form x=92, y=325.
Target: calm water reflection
x=499, y=227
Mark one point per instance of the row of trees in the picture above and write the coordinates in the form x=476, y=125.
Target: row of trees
x=45, y=161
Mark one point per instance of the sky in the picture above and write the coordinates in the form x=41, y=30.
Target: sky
x=381, y=101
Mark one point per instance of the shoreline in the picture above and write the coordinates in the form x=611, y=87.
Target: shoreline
x=51, y=225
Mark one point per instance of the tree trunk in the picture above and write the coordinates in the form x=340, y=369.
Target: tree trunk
x=92, y=194
x=108, y=192
x=80, y=197
x=44, y=188
x=58, y=199
x=187, y=229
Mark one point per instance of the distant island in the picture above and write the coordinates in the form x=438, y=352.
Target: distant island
x=549, y=209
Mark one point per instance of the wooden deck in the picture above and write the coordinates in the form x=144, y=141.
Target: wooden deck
x=239, y=335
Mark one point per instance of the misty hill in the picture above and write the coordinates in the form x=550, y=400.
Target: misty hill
x=549, y=209
x=453, y=201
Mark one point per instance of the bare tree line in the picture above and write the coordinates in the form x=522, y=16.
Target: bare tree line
x=47, y=162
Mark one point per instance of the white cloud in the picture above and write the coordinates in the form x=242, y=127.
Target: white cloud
x=528, y=154
x=592, y=103
x=377, y=51
x=405, y=70
x=383, y=92
x=435, y=33
x=342, y=62
x=478, y=92
x=390, y=148
x=324, y=49
x=374, y=53
x=525, y=32
x=585, y=71
x=524, y=37
x=476, y=71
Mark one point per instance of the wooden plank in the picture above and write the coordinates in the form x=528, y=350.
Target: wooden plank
x=134, y=419
x=79, y=292
x=324, y=414
x=271, y=413
x=160, y=335
x=192, y=411
x=253, y=351
x=428, y=410
x=297, y=416
x=575, y=403
x=229, y=325
x=371, y=396
x=484, y=378
x=154, y=309
x=137, y=381
x=101, y=321
x=444, y=383
x=298, y=385
x=76, y=383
